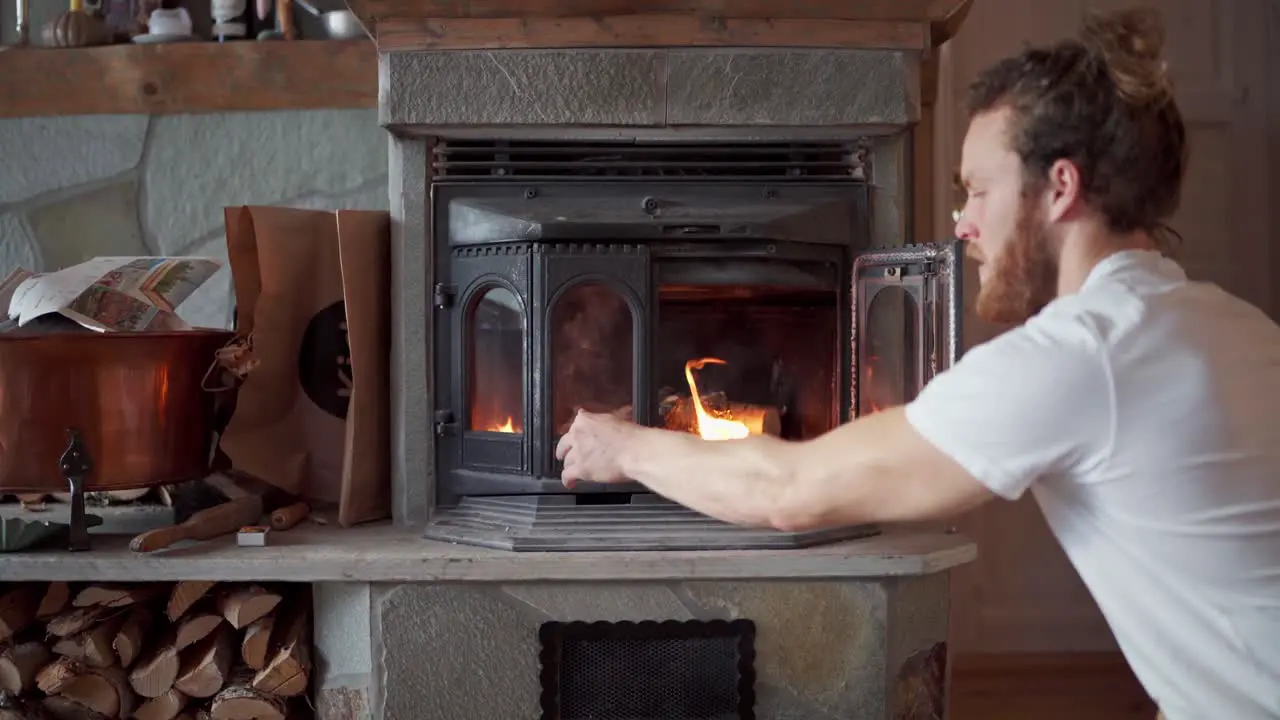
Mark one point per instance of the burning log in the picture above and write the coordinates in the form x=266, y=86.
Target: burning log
x=679, y=412
x=241, y=652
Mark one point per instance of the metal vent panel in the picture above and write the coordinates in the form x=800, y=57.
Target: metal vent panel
x=526, y=161
x=670, y=670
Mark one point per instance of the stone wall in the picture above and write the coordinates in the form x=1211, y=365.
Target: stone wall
x=72, y=188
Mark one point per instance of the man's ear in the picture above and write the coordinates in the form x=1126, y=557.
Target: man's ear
x=1063, y=189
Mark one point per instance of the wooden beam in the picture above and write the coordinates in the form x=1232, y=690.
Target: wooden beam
x=404, y=34
x=943, y=16
x=812, y=9
x=189, y=77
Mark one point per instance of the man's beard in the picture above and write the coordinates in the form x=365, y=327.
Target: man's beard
x=1024, y=277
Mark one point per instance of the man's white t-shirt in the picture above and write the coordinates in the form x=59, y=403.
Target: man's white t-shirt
x=1142, y=414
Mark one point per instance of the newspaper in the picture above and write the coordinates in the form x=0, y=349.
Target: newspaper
x=110, y=294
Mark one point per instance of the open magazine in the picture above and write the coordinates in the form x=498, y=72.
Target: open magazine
x=109, y=294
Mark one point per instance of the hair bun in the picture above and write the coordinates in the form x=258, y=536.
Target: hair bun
x=1131, y=45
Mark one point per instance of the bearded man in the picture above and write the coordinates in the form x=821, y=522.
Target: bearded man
x=1136, y=406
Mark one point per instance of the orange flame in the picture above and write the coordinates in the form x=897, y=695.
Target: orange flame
x=711, y=427
x=506, y=427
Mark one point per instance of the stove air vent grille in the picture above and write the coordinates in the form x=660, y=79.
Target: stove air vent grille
x=525, y=161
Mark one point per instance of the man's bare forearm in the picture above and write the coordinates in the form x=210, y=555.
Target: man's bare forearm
x=875, y=469
x=738, y=481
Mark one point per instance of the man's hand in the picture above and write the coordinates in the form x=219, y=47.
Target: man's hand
x=592, y=449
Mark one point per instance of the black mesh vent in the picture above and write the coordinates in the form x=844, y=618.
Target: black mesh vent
x=673, y=670
x=524, y=161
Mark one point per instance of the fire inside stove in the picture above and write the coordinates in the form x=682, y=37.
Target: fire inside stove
x=726, y=421
x=507, y=426
x=713, y=417
x=729, y=362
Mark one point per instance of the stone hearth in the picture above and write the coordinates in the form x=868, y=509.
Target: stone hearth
x=408, y=629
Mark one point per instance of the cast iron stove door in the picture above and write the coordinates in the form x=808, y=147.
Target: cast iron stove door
x=906, y=321
x=597, y=296
x=484, y=308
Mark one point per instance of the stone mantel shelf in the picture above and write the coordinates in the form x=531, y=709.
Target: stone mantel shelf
x=382, y=553
x=193, y=77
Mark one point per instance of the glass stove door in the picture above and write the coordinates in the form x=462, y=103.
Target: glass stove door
x=906, y=321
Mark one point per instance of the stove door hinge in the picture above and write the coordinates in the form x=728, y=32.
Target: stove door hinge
x=444, y=295
x=930, y=274
x=446, y=423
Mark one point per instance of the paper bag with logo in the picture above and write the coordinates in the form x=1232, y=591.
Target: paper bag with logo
x=313, y=303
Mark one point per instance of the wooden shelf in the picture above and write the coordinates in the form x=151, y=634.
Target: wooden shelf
x=190, y=77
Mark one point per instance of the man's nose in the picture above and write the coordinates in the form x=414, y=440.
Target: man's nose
x=965, y=230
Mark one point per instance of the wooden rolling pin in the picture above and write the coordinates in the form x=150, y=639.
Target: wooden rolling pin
x=287, y=517
x=210, y=523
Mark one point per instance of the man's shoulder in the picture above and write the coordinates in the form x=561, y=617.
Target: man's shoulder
x=1058, y=348
x=1064, y=326
x=1096, y=318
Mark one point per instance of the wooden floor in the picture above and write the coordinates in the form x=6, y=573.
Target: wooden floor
x=1083, y=686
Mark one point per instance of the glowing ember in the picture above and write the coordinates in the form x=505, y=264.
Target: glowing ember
x=871, y=384
x=721, y=425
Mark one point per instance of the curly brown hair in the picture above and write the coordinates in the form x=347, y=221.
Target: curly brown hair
x=1104, y=102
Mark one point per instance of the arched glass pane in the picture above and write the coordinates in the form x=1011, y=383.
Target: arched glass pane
x=889, y=374
x=496, y=376
x=591, y=354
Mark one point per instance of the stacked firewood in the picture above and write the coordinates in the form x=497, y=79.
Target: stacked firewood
x=154, y=651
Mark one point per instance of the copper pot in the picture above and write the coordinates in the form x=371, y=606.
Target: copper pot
x=137, y=401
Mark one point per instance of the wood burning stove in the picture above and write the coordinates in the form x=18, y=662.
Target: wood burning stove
x=720, y=289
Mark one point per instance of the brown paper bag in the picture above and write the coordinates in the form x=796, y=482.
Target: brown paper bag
x=313, y=304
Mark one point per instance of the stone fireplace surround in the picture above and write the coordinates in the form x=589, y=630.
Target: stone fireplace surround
x=408, y=629
x=845, y=645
